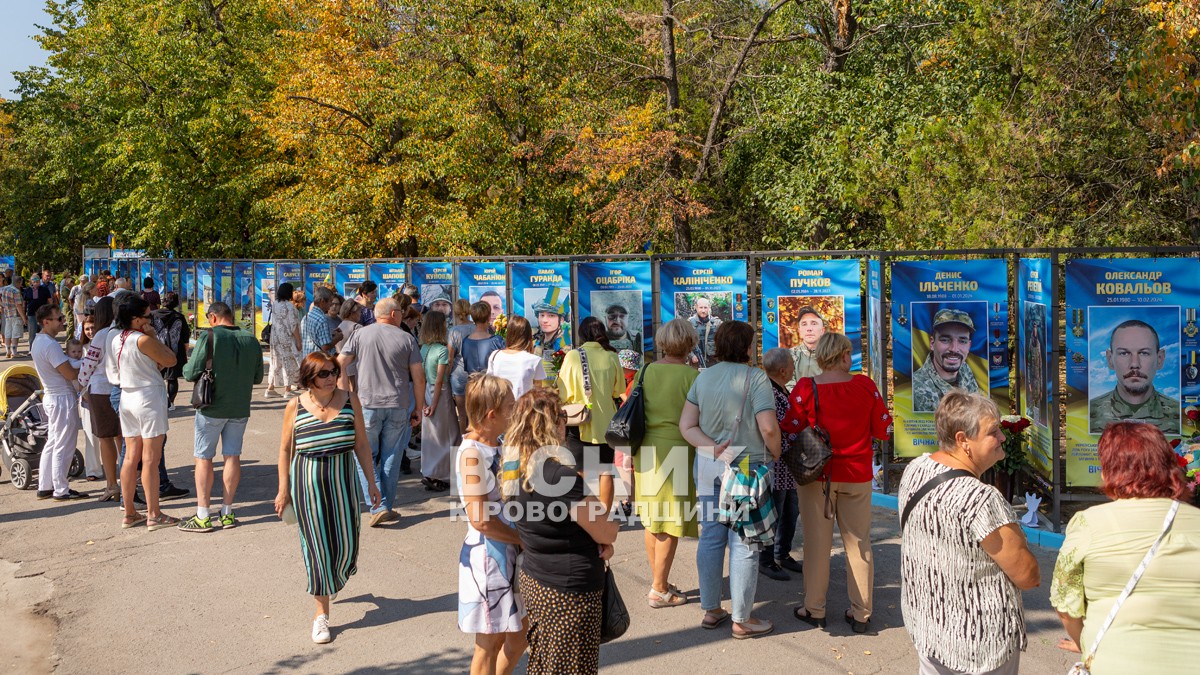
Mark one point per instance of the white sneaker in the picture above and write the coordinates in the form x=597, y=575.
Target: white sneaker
x=321, y=629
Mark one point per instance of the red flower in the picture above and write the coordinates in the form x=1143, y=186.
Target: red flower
x=1182, y=461
x=1175, y=443
x=1023, y=424
x=1193, y=414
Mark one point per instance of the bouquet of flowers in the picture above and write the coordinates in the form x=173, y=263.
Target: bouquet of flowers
x=500, y=326
x=557, y=359
x=1188, y=451
x=1014, y=427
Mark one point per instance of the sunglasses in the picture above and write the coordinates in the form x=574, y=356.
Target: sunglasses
x=328, y=373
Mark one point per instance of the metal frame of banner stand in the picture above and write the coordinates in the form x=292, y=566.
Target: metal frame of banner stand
x=1059, y=257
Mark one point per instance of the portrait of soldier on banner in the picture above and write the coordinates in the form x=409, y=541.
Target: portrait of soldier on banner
x=550, y=310
x=803, y=319
x=949, y=350
x=621, y=313
x=1133, y=367
x=706, y=311
x=1035, y=362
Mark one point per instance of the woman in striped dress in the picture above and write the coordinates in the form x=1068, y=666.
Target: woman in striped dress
x=319, y=478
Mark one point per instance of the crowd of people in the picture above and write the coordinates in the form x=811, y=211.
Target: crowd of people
x=521, y=437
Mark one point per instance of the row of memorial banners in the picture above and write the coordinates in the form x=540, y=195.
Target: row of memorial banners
x=1130, y=333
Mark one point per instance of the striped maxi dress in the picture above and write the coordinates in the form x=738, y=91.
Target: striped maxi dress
x=326, y=496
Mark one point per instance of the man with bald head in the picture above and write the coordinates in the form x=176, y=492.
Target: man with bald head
x=1135, y=355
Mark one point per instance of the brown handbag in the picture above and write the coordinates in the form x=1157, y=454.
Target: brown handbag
x=581, y=413
x=808, y=454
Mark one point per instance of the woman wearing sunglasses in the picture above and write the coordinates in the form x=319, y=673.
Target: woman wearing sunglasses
x=319, y=478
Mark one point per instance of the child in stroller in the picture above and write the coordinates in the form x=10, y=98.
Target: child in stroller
x=23, y=427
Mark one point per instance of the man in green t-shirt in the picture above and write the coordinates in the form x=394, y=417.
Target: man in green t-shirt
x=237, y=365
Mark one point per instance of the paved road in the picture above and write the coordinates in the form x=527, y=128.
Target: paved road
x=89, y=597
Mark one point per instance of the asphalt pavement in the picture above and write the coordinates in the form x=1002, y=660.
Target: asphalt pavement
x=80, y=595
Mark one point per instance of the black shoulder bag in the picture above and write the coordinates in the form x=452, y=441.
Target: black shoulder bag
x=266, y=331
x=628, y=426
x=615, y=618
x=927, y=488
x=808, y=454
x=205, y=389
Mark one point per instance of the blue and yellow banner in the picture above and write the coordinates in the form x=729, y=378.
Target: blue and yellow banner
x=1132, y=352
x=243, y=294
x=347, y=277
x=620, y=294
x=205, y=292
x=804, y=299
x=264, y=293
x=480, y=281
x=315, y=274
x=1035, y=359
x=706, y=293
x=542, y=294
x=9, y=262
x=159, y=272
x=223, y=282
x=388, y=276
x=187, y=289
x=875, y=350
x=949, y=330
x=433, y=280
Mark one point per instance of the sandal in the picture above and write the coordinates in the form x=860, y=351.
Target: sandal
x=669, y=599
x=132, y=521
x=163, y=520
x=802, y=614
x=752, y=629
x=712, y=619
x=111, y=495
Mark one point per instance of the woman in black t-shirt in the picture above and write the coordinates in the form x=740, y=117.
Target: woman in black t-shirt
x=566, y=540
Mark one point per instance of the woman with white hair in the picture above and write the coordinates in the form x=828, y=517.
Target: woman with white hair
x=776, y=560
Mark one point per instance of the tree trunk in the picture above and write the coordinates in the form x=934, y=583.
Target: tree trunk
x=681, y=227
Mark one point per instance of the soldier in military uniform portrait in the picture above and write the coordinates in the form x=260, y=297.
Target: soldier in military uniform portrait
x=551, y=329
x=1035, y=362
x=616, y=319
x=705, y=323
x=1135, y=356
x=810, y=326
x=946, y=367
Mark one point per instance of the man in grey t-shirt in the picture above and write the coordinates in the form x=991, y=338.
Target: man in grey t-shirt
x=391, y=386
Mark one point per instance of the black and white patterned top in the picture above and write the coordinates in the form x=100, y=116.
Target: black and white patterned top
x=959, y=607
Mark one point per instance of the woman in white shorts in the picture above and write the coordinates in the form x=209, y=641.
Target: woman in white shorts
x=140, y=360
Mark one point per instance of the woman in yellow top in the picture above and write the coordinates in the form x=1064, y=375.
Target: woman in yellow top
x=1158, y=626
x=607, y=381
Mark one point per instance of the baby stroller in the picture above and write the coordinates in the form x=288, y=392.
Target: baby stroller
x=23, y=427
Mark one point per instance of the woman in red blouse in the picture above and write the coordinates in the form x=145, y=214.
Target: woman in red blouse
x=850, y=408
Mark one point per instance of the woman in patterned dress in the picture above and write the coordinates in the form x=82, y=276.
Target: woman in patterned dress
x=319, y=478
x=488, y=602
x=285, y=342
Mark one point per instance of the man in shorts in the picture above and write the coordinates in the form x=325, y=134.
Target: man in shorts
x=12, y=316
x=237, y=365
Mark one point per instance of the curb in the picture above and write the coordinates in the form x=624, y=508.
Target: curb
x=1051, y=540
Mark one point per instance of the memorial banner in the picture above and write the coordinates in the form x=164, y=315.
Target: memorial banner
x=706, y=293
x=1035, y=360
x=9, y=263
x=1131, y=348
x=804, y=299
x=204, y=291
x=173, y=282
x=620, y=294
x=542, y=294
x=388, y=276
x=159, y=272
x=347, y=277
x=290, y=273
x=479, y=281
x=264, y=287
x=315, y=274
x=875, y=323
x=187, y=289
x=949, y=329
x=433, y=280
x=243, y=294
x=145, y=270
x=223, y=282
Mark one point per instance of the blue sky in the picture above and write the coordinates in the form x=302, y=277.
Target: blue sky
x=18, y=51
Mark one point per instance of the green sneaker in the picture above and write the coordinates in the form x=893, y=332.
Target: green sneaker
x=229, y=520
x=196, y=524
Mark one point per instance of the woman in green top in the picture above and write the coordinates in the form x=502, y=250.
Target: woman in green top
x=663, y=487
x=439, y=425
x=1157, y=627
x=607, y=384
